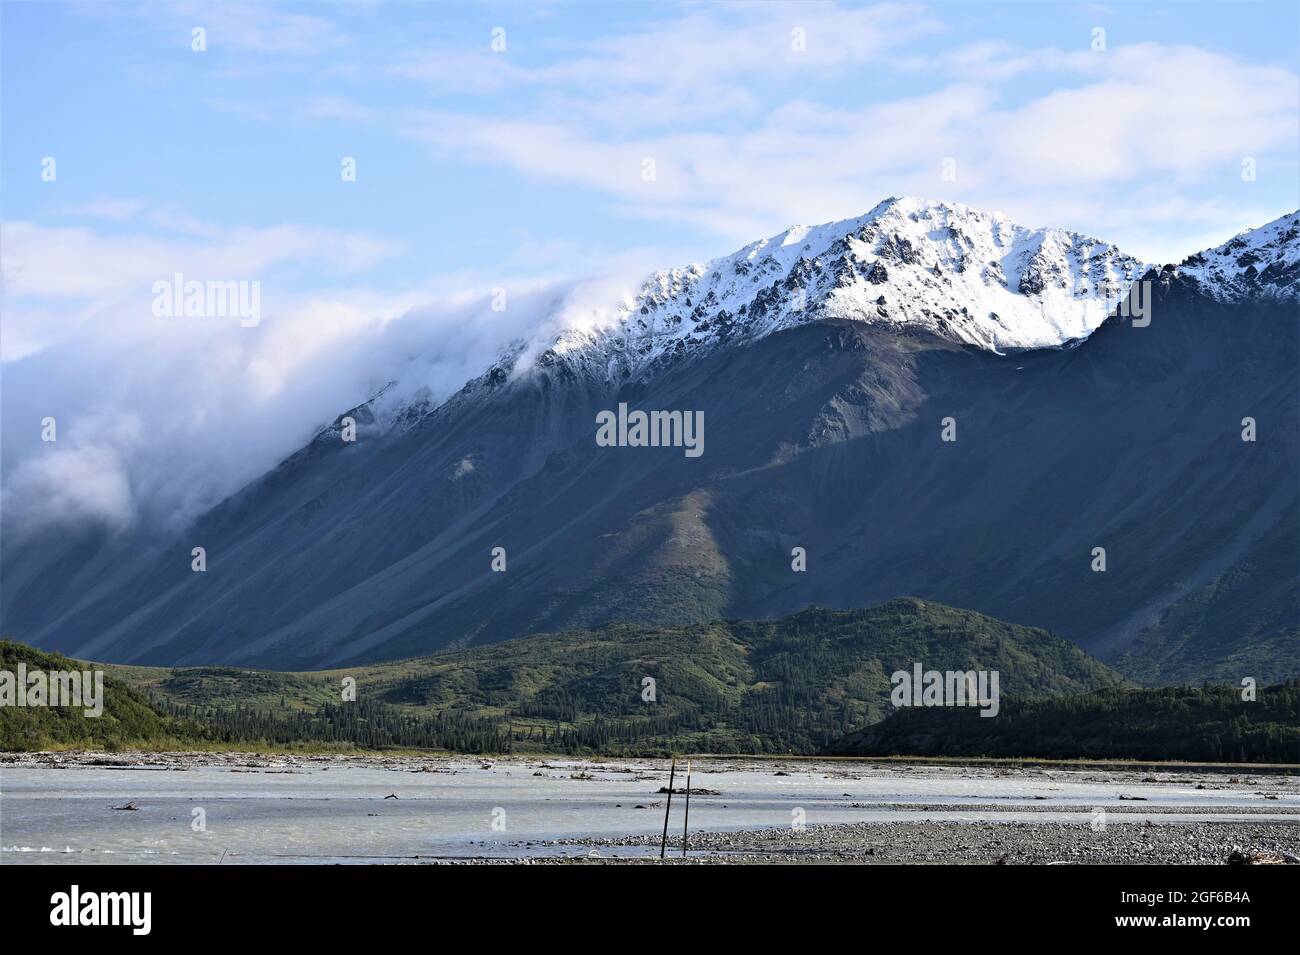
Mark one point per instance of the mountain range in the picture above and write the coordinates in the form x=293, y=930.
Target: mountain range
x=924, y=400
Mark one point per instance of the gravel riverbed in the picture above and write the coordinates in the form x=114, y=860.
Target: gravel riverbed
x=1000, y=843
x=292, y=808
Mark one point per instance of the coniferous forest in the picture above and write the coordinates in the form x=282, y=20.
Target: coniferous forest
x=816, y=682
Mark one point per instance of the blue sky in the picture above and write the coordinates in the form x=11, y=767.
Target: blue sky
x=473, y=161
x=520, y=168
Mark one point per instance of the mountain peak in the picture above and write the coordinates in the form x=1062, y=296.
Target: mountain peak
x=966, y=275
x=1261, y=261
x=961, y=274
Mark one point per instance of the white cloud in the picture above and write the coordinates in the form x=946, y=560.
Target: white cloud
x=67, y=485
x=77, y=262
x=264, y=28
x=696, y=66
x=259, y=28
x=114, y=210
x=160, y=418
x=1138, y=122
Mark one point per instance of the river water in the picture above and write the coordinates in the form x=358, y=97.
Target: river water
x=320, y=809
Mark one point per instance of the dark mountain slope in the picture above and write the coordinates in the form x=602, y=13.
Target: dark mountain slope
x=825, y=436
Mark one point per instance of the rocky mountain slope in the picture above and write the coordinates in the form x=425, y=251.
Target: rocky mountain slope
x=826, y=396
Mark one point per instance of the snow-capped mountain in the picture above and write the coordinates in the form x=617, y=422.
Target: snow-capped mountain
x=970, y=277
x=824, y=407
x=973, y=277
x=1263, y=261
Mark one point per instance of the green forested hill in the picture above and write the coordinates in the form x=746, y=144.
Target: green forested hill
x=1209, y=723
x=789, y=685
x=129, y=720
x=816, y=681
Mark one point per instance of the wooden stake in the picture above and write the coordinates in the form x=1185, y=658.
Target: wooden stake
x=686, y=825
x=672, y=774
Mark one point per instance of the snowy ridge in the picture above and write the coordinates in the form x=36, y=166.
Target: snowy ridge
x=1256, y=262
x=971, y=277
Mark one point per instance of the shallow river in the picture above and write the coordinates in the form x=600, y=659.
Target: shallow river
x=323, y=810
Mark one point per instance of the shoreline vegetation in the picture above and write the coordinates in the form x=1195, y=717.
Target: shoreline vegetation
x=140, y=757
x=814, y=685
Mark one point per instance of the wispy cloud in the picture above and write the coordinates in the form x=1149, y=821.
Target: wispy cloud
x=698, y=66
x=1104, y=132
x=259, y=28
x=77, y=262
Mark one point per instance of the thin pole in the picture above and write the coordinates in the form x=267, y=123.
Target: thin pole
x=672, y=774
x=686, y=825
